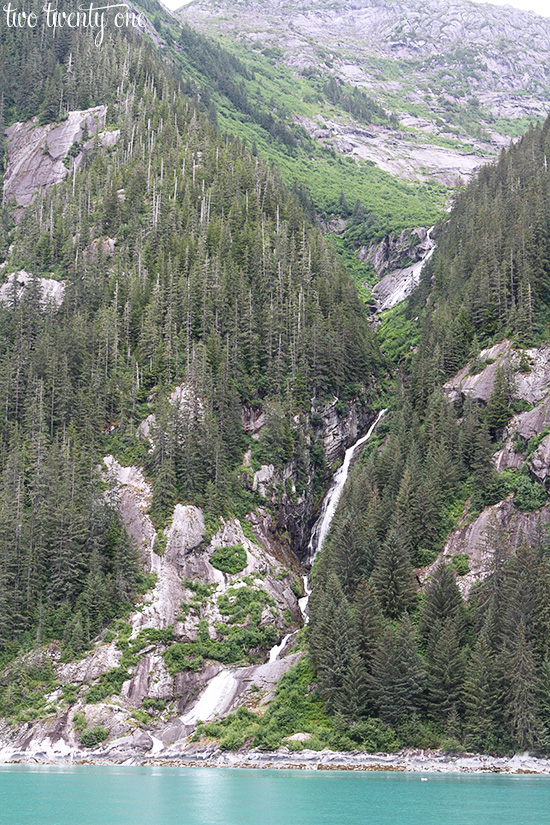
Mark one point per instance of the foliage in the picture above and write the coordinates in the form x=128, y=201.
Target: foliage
x=23, y=688
x=213, y=255
x=461, y=563
x=109, y=684
x=93, y=736
x=230, y=560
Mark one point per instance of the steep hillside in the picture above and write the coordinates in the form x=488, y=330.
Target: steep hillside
x=430, y=598
x=456, y=77
x=183, y=357
x=358, y=102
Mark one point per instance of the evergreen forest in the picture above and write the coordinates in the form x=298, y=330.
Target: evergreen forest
x=190, y=263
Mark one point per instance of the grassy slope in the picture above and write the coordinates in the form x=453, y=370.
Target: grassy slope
x=272, y=87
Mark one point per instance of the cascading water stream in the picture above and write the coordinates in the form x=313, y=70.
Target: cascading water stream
x=322, y=525
x=328, y=509
x=217, y=697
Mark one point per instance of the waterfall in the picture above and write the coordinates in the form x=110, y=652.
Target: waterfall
x=321, y=526
x=217, y=697
x=215, y=700
x=330, y=502
x=276, y=650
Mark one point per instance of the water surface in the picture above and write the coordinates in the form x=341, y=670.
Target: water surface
x=83, y=795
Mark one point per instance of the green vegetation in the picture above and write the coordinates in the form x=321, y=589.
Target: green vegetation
x=461, y=563
x=213, y=256
x=93, y=736
x=238, y=644
x=398, y=333
x=242, y=635
x=110, y=684
x=230, y=560
x=438, y=671
x=258, y=98
x=237, y=603
x=23, y=688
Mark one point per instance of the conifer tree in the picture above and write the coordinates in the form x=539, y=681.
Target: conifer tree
x=442, y=603
x=369, y=621
x=445, y=673
x=482, y=697
x=397, y=678
x=522, y=706
x=393, y=577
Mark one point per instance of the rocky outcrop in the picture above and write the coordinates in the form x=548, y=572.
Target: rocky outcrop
x=529, y=369
x=398, y=283
x=527, y=373
x=19, y=284
x=540, y=461
x=339, y=429
x=397, y=250
x=183, y=398
x=252, y=419
x=335, y=426
x=131, y=493
x=40, y=156
x=397, y=151
x=471, y=538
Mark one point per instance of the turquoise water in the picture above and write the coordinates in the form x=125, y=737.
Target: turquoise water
x=206, y=796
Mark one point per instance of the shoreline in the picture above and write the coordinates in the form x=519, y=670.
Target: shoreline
x=406, y=761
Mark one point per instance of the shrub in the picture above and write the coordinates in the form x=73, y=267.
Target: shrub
x=109, y=684
x=93, y=736
x=153, y=704
x=229, y=559
x=529, y=496
x=461, y=563
x=424, y=557
x=79, y=721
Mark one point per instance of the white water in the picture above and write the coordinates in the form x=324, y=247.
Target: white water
x=276, y=650
x=410, y=278
x=215, y=699
x=328, y=509
x=330, y=502
x=219, y=690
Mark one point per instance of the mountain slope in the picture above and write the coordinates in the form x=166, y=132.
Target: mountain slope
x=175, y=332
x=444, y=65
x=439, y=554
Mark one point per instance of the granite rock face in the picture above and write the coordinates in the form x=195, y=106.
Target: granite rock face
x=498, y=53
x=471, y=538
x=526, y=447
x=19, y=283
x=398, y=260
x=530, y=383
x=397, y=250
x=35, y=154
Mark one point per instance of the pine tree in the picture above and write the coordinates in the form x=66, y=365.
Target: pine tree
x=397, y=678
x=482, y=698
x=332, y=641
x=445, y=673
x=522, y=706
x=393, y=577
x=353, y=699
x=442, y=603
x=497, y=412
x=369, y=621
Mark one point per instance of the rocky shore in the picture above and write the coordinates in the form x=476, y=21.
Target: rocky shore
x=210, y=756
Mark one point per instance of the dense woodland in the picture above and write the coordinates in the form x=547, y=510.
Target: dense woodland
x=428, y=666
x=186, y=261
x=216, y=280
x=491, y=275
